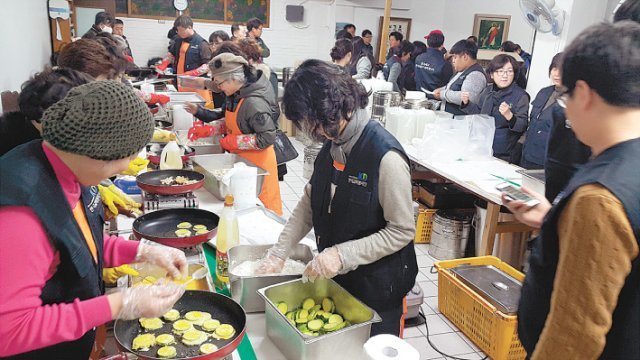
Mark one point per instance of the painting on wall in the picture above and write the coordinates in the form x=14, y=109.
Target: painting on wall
x=491, y=30
x=401, y=25
x=340, y=26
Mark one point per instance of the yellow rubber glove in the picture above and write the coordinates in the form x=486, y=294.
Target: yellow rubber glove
x=135, y=166
x=110, y=199
x=111, y=275
x=115, y=200
x=160, y=135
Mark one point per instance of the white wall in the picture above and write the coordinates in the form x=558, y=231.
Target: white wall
x=579, y=15
x=27, y=52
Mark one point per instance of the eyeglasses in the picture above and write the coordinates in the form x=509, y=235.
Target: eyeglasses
x=217, y=84
x=504, y=72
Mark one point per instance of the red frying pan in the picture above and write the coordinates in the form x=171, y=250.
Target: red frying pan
x=219, y=306
x=160, y=226
x=151, y=182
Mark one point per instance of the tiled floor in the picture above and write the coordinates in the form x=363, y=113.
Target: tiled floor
x=443, y=334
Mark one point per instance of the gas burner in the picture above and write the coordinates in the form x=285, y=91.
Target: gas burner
x=194, y=254
x=152, y=202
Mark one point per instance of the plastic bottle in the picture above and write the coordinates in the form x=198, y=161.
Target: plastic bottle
x=171, y=157
x=228, y=237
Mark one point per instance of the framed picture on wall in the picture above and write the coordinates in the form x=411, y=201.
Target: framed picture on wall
x=491, y=30
x=401, y=25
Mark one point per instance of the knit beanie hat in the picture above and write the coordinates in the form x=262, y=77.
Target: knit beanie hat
x=103, y=120
x=226, y=63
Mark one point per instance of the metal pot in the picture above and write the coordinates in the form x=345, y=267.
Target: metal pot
x=382, y=100
x=449, y=234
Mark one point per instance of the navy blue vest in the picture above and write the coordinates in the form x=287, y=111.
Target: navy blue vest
x=432, y=70
x=192, y=60
x=618, y=170
x=534, y=150
x=34, y=184
x=356, y=213
x=457, y=86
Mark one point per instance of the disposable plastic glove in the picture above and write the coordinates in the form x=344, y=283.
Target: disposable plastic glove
x=170, y=259
x=270, y=265
x=149, y=300
x=135, y=166
x=111, y=275
x=326, y=265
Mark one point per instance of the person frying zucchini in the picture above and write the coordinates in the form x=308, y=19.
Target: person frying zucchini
x=51, y=228
x=358, y=199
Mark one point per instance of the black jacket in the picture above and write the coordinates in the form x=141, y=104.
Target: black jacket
x=92, y=32
x=432, y=70
x=15, y=130
x=534, y=149
x=259, y=113
x=507, y=132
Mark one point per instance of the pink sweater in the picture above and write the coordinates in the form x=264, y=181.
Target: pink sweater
x=28, y=260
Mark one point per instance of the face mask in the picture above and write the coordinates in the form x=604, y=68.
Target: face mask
x=107, y=29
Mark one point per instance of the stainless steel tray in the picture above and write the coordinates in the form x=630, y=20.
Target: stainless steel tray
x=206, y=164
x=346, y=343
x=244, y=289
x=494, y=285
x=181, y=97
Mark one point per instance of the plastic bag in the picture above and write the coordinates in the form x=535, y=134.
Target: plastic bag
x=481, y=132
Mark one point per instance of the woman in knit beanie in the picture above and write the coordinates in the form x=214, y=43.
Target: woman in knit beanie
x=51, y=221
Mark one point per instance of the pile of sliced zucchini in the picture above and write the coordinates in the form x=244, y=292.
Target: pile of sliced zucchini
x=314, y=319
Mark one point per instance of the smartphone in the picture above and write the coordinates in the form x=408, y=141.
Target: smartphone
x=514, y=193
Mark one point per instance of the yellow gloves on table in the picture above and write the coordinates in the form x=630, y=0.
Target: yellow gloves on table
x=160, y=135
x=135, y=166
x=117, y=201
x=111, y=275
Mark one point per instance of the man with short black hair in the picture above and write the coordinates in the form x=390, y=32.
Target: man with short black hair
x=238, y=31
x=103, y=22
x=254, y=31
x=189, y=54
x=395, y=38
x=367, y=36
x=470, y=77
x=351, y=29
x=118, y=30
x=581, y=296
x=432, y=70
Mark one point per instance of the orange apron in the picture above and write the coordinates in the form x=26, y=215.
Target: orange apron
x=206, y=94
x=265, y=158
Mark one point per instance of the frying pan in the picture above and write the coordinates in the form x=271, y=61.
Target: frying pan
x=151, y=182
x=219, y=306
x=164, y=125
x=160, y=226
x=154, y=151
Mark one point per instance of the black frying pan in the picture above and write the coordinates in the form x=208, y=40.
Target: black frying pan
x=160, y=226
x=151, y=182
x=219, y=306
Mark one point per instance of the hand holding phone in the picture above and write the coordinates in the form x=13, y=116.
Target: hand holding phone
x=513, y=193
